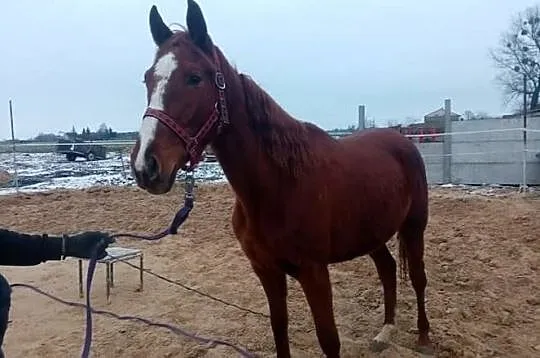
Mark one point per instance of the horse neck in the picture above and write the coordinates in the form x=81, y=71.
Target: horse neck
x=236, y=146
x=242, y=147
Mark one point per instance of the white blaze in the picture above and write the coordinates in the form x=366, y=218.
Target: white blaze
x=163, y=70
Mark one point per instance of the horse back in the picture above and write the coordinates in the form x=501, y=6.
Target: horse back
x=384, y=145
x=381, y=148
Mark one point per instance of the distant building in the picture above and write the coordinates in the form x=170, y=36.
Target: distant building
x=433, y=124
x=437, y=116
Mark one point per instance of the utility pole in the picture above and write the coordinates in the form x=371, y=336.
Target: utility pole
x=13, y=146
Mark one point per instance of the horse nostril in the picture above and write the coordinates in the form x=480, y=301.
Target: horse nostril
x=152, y=168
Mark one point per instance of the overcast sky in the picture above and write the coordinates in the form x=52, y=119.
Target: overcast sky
x=74, y=62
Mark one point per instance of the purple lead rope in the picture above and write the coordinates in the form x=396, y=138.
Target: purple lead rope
x=178, y=220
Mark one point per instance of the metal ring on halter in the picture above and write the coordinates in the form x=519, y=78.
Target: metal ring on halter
x=220, y=80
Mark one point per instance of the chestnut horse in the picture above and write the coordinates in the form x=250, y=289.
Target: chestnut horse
x=304, y=200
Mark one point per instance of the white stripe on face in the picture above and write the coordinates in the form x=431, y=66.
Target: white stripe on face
x=163, y=70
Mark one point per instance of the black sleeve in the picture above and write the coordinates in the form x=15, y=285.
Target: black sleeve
x=18, y=249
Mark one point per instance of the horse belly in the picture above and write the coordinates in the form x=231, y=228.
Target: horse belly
x=353, y=243
x=372, y=219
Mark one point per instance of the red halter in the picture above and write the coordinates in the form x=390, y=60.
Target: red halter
x=194, y=145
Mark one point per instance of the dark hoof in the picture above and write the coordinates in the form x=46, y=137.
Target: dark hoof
x=378, y=346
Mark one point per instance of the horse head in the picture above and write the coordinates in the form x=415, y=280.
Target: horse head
x=185, y=102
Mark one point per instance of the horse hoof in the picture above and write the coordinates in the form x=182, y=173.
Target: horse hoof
x=378, y=346
x=383, y=339
x=425, y=349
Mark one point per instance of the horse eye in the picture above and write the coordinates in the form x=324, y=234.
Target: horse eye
x=194, y=80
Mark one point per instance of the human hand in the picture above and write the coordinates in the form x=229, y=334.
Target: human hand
x=83, y=245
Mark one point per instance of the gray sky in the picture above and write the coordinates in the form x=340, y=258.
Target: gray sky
x=74, y=62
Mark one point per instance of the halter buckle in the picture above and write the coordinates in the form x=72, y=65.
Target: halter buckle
x=220, y=80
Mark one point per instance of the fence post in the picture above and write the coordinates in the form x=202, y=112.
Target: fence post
x=524, y=163
x=447, y=142
x=13, y=147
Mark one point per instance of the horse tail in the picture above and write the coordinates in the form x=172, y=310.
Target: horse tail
x=411, y=233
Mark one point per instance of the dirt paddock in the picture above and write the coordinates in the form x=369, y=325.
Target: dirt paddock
x=482, y=259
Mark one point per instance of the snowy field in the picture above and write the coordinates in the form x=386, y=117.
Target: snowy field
x=49, y=171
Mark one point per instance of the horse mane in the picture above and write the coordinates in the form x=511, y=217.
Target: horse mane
x=290, y=144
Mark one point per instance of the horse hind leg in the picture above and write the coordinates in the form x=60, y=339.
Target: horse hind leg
x=386, y=268
x=411, y=252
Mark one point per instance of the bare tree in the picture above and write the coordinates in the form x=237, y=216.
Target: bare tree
x=103, y=128
x=518, y=58
x=470, y=115
x=392, y=123
x=370, y=123
x=411, y=120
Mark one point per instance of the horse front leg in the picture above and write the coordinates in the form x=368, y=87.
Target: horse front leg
x=275, y=286
x=315, y=281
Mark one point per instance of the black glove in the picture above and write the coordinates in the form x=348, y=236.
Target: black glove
x=83, y=245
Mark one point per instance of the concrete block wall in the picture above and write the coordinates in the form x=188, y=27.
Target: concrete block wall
x=500, y=154
x=432, y=154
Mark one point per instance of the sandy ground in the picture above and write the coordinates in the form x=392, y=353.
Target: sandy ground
x=482, y=259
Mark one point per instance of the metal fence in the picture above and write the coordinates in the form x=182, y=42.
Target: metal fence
x=464, y=156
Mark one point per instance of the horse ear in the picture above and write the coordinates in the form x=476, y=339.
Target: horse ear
x=197, y=26
x=160, y=31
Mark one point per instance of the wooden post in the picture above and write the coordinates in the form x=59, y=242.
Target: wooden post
x=81, y=292
x=108, y=282
x=141, y=271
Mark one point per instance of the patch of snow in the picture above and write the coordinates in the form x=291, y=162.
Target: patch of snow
x=39, y=172
x=449, y=185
